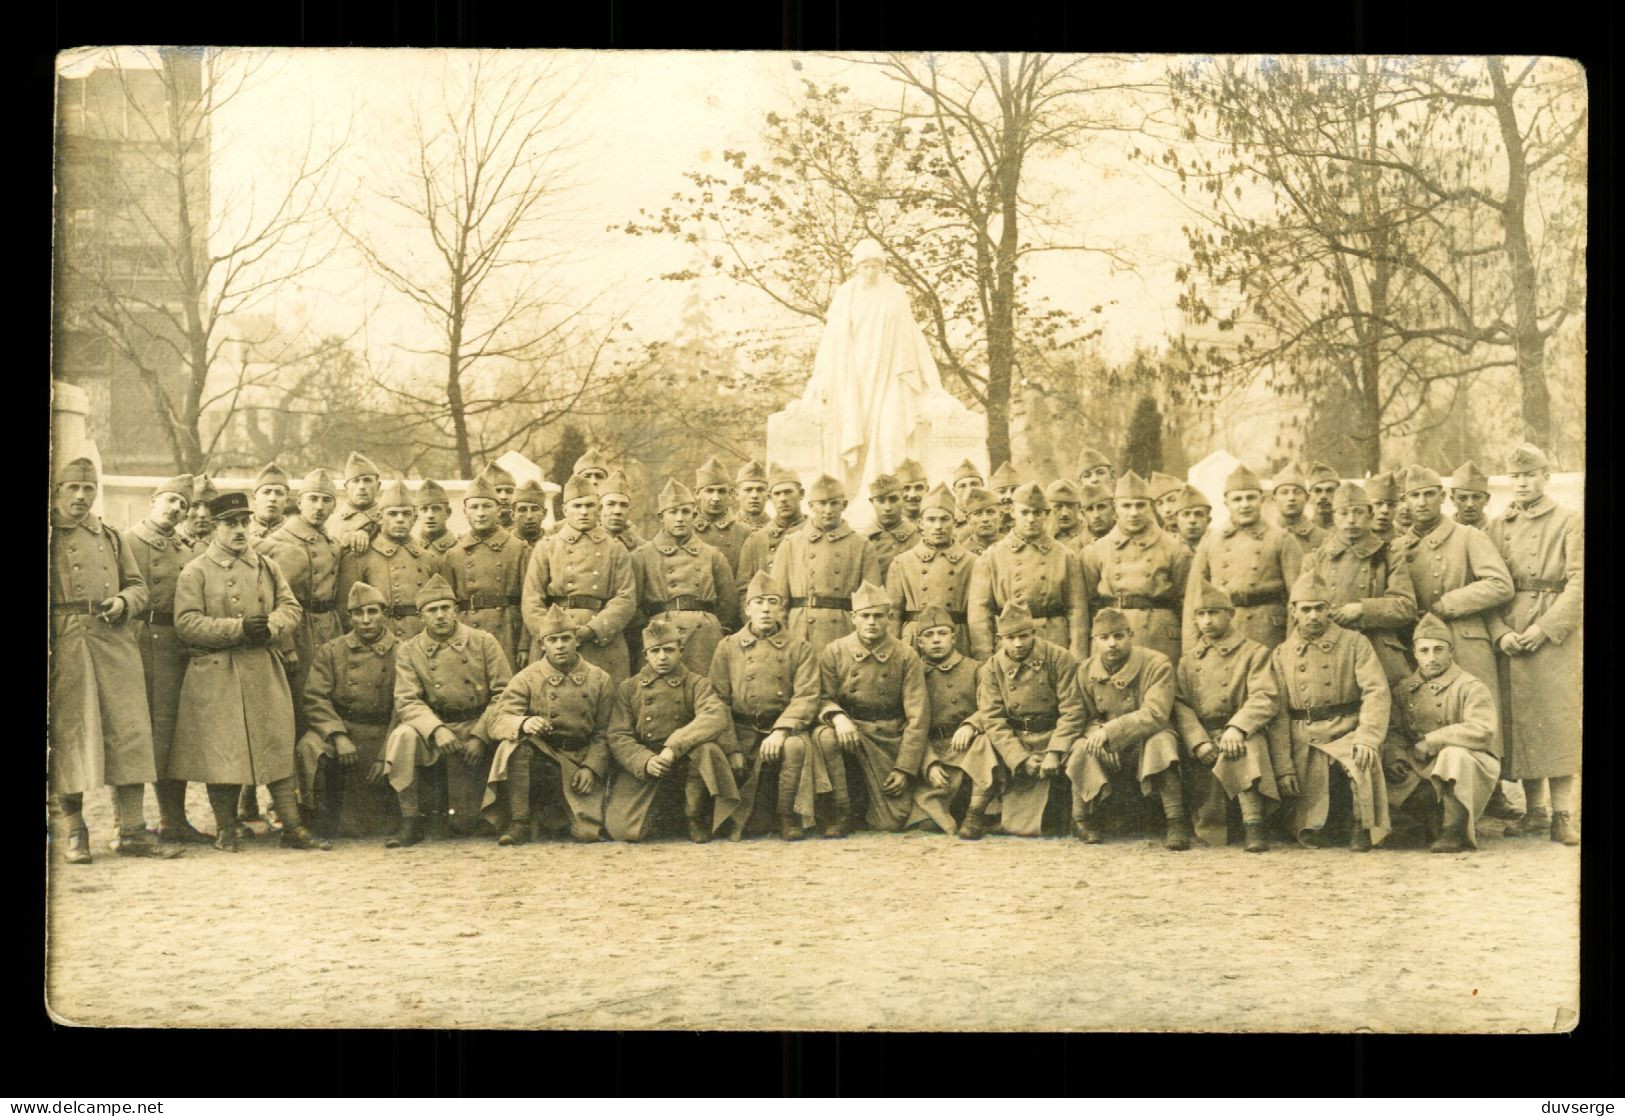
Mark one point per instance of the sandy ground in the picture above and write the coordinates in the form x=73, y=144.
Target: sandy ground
x=877, y=931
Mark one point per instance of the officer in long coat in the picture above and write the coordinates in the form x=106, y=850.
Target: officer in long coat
x=101, y=730
x=1140, y=570
x=1540, y=633
x=485, y=570
x=821, y=566
x=685, y=581
x=309, y=560
x=756, y=556
x=270, y=501
x=1469, y=496
x=587, y=572
x=1290, y=495
x=355, y=522
x=393, y=564
x=751, y=484
x=160, y=551
x=1250, y=561
x=1371, y=590
x=935, y=572
x=1030, y=565
x=434, y=511
x=235, y=725
x=716, y=525
x=893, y=533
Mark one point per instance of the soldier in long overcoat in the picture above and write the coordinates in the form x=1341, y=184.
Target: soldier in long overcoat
x=1140, y=570
x=434, y=511
x=1370, y=584
x=935, y=573
x=356, y=521
x=1030, y=565
x=393, y=564
x=1469, y=496
x=486, y=572
x=309, y=560
x=1251, y=561
x=1289, y=493
x=756, y=556
x=682, y=579
x=983, y=517
x=821, y=566
x=716, y=525
x=957, y=750
x=914, y=484
x=587, y=573
x=270, y=501
x=751, y=484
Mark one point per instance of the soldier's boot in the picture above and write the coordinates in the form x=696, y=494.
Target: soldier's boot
x=332, y=798
x=698, y=831
x=831, y=813
x=77, y=846
x=410, y=833
x=71, y=830
x=1452, y=826
x=295, y=835
x=1500, y=807
x=518, y=833
x=1564, y=830
x=298, y=837
x=1255, y=839
x=1087, y=828
x=438, y=787
x=1535, y=821
x=223, y=800
x=790, y=827
x=974, y=827
x=1179, y=835
x=1360, y=838
x=135, y=839
x=1171, y=789
x=173, y=826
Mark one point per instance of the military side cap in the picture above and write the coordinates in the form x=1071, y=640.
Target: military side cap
x=659, y=632
x=1382, y=486
x=1349, y=495
x=319, y=480
x=910, y=472
x=229, y=504
x=1242, y=479
x=499, y=477
x=1527, y=458
x=81, y=470
x=1289, y=477
x=1420, y=476
x=1310, y=586
x=1091, y=493
x=977, y=499
x=435, y=589
x=1320, y=473
x=592, y=459
x=711, y=473
x=751, y=472
x=763, y=585
x=1063, y=491
x=395, y=494
x=1015, y=617
x=363, y=594
x=271, y=474
x=181, y=486
x=1090, y=459
x=1469, y=478
x=1431, y=627
x=615, y=484
x=827, y=487
x=359, y=464
x=870, y=595
x=1030, y=496
x=939, y=498
x=1161, y=484
x=1131, y=486
x=966, y=471
x=579, y=487
x=1005, y=476
x=932, y=616
x=883, y=484
x=554, y=622
x=480, y=488
x=1192, y=497
x=1209, y=595
x=204, y=490
x=674, y=495
x=1110, y=620
x=430, y=492
x=530, y=493
x=779, y=477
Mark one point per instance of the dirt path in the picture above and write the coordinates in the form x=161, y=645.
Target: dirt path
x=874, y=932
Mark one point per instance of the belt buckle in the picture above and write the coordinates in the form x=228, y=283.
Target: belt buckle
x=1313, y=713
x=1121, y=597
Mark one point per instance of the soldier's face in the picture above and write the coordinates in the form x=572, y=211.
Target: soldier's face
x=678, y=521
x=1018, y=645
x=1426, y=505
x=870, y=623
x=74, y=498
x=1100, y=474
x=753, y=497
x=1168, y=506
x=664, y=657
x=1311, y=617
x=232, y=533
x=559, y=648
x=268, y=501
x=1433, y=657
x=199, y=520
x=1214, y=623
x=434, y=518
x=168, y=509
x=1469, y=506
x=985, y=521
x=1322, y=494
x=362, y=490
x=367, y=621
x=1100, y=517
x=1114, y=646
x=616, y=509
x=528, y=516
x=505, y=494
x=1193, y=523
x=964, y=485
x=1030, y=522
x=787, y=501
x=763, y=612
x=582, y=513
x=937, y=527
x=1133, y=516
x=1066, y=515
x=440, y=617
x=593, y=473
x=1382, y=514
x=888, y=508
x=315, y=507
x=1353, y=520
x=827, y=513
x=935, y=643
x=913, y=496
x=398, y=522
x=481, y=513
x=1289, y=501
x=714, y=500
x=1529, y=486
x=1244, y=506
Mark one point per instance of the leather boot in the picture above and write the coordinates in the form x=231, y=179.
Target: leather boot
x=332, y=799
x=736, y=829
x=1536, y=820
x=973, y=827
x=228, y=840
x=299, y=837
x=790, y=827
x=1499, y=808
x=184, y=834
x=1256, y=842
x=139, y=842
x=698, y=831
x=410, y=833
x=1087, y=830
x=1449, y=840
x=76, y=848
x=1564, y=831
x=518, y=833
x=1360, y=840
x=1180, y=835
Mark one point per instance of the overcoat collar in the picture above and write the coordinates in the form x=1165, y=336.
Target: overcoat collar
x=225, y=559
x=1124, y=675
x=381, y=646
x=946, y=665
x=1437, y=685
x=647, y=677
x=1017, y=544
x=668, y=546
x=880, y=652
x=1225, y=646
x=1540, y=507
x=458, y=640
x=496, y=540
x=748, y=639
x=953, y=552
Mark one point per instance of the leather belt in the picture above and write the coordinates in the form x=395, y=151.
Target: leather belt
x=153, y=616
x=452, y=716
x=1131, y=601
x=761, y=723
x=1540, y=584
x=86, y=607
x=319, y=607
x=561, y=741
x=680, y=604
x=1247, y=598
x=1036, y=722
x=1323, y=712
x=487, y=598
x=1047, y=612
x=815, y=601
x=578, y=600
x=401, y=611
x=873, y=712
x=956, y=617
x=944, y=732
x=361, y=717
x=1219, y=724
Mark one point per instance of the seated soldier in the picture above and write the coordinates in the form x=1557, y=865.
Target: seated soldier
x=349, y=696
x=957, y=750
x=446, y=677
x=557, y=711
x=1029, y=704
x=874, y=710
x=769, y=681
x=1226, y=710
x=666, y=732
x=1128, y=744
x=1450, y=721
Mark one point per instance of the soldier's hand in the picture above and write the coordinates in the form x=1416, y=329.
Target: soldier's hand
x=257, y=631
x=585, y=637
x=736, y=760
x=846, y=733
x=1207, y=753
x=443, y=738
x=535, y=726
x=1233, y=743
x=376, y=772
x=113, y=610
x=1395, y=768
x=1109, y=759
x=1533, y=638
x=345, y=747
x=1032, y=767
x=1094, y=741
x=773, y=746
x=896, y=782
x=1365, y=757
x=1349, y=614
x=583, y=780
x=963, y=735
x=1050, y=765
x=937, y=776
x=357, y=542
x=656, y=765
x=1287, y=785
x=471, y=751
x=1510, y=644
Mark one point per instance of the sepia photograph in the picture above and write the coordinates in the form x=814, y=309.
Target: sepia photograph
x=809, y=541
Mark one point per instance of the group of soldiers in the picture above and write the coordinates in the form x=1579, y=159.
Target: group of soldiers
x=995, y=655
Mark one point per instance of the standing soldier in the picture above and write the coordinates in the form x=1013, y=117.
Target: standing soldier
x=1065, y=503
x=982, y=518
x=685, y=582
x=615, y=511
x=756, y=556
x=349, y=701
x=529, y=509
x=1192, y=517
x=717, y=526
x=1029, y=704
x=160, y=552
x=198, y=526
x=1029, y=565
x=1323, y=485
x=503, y=484
x=1290, y=493
x=1469, y=494
x=434, y=511
x=769, y=682
x=1004, y=482
x=1370, y=585
x=751, y=482
x=446, y=679
x=101, y=728
x=893, y=534
x=1383, y=491
x=957, y=750
x=1140, y=570
x=1539, y=631
x=666, y=734
x=934, y=573
x=393, y=564
x=874, y=710
x=821, y=566
x=270, y=492
x=235, y=724
x=587, y=573
x=966, y=478
x=1095, y=467
x=1253, y=563
x=1128, y=743
x=914, y=485
x=485, y=569
x=309, y=561
x=1099, y=513
x=555, y=713
x=592, y=465
x=356, y=522
x=1225, y=708
x=1167, y=492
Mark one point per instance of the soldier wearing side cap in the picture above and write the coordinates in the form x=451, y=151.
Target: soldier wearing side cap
x=1066, y=505
x=1251, y=561
x=434, y=512
x=1098, y=511
x=1029, y=565
x=486, y=569
x=685, y=581
x=751, y=484
x=913, y=484
x=503, y=484
x=964, y=479
x=893, y=533
x=529, y=510
x=393, y=564
x=270, y=493
x=448, y=678
x=1140, y=570
x=1336, y=698
x=160, y=551
x=1323, y=485
x=667, y=733
x=1290, y=494
x=1192, y=517
x=756, y=556
x=1004, y=482
x=716, y=525
x=958, y=751
x=615, y=511
x=1370, y=584
x=1469, y=496
x=198, y=525
x=1094, y=467
x=1382, y=489
x=356, y=522
x=593, y=465
x=821, y=565
x=934, y=572
x=983, y=515
x=309, y=559
x=875, y=711
x=1226, y=709
x=1166, y=493
x=586, y=572
x=553, y=720
x=349, y=706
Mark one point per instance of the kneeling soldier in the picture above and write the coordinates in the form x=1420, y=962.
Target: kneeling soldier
x=875, y=710
x=445, y=678
x=1225, y=708
x=349, y=694
x=1449, y=718
x=769, y=681
x=1129, y=743
x=556, y=710
x=957, y=748
x=667, y=732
